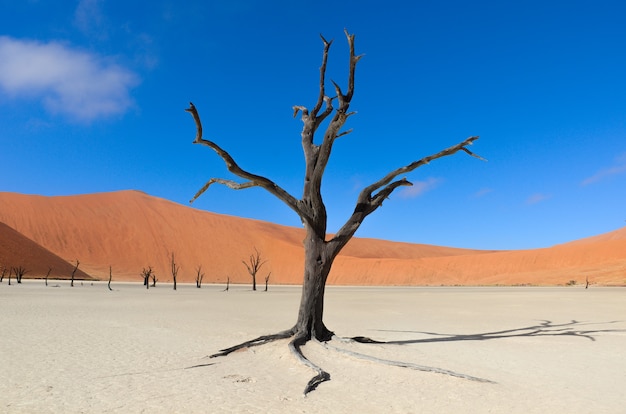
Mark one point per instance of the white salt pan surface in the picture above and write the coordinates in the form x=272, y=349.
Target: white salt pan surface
x=132, y=350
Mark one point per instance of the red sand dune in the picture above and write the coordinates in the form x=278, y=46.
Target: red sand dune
x=17, y=250
x=130, y=230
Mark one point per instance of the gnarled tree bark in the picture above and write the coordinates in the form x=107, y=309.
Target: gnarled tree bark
x=319, y=252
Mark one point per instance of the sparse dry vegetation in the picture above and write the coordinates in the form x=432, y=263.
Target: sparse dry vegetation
x=199, y=276
x=146, y=274
x=253, y=265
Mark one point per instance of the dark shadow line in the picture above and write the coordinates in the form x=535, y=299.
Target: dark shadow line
x=545, y=328
x=200, y=365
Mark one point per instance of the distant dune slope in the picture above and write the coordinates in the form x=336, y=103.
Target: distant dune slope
x=130, y=230
x=16, y=250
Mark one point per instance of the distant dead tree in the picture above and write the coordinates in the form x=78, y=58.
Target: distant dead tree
x=199, y=276
x=227, y=284
x=174, y=269
x=330, y=110
x=146, y=274
x=110, y=277
x=48, y=275
x=19, y=271
x=253, y=265
x=267, y=278
x=586, y=282
x=10, y=271
x=74, y=272
x=4, y=271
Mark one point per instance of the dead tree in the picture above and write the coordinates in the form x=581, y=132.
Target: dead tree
x=74, y=272
x=319, y=253
x=110, y=277
x=48, y=275
x=199, y=276
x=19, y=271
x=253, y=265
x=227, y=284
x=267, y=279
x=174, y=269
x=4, y=272
x=146, y=274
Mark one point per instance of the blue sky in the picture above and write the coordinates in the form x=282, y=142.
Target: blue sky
x=93, y=92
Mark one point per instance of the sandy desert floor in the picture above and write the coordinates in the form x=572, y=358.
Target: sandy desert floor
x=90, y=350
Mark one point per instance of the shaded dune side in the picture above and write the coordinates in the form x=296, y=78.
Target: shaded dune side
x=130, y=230
x=17, y=250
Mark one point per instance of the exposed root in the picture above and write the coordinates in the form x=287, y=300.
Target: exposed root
x=322, y=376
x=299, y=339
x=400, y=364
x=362, y=340
x=261, y=340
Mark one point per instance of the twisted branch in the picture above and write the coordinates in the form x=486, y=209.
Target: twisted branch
x=233, y=167
x=368, y=202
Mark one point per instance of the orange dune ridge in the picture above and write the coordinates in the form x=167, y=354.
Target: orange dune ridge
x=130, y=230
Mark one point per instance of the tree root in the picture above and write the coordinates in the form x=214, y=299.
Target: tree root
x=261, y=340
x=299, y=339
x=322, y=376
x=401, y=364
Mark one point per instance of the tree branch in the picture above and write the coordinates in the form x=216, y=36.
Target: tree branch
x=233, y=167
x=368, y=202
x=322, y=93
x=367, y=191
x=228, y=183
x=341, y=113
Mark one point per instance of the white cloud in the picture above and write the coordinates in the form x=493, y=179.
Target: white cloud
x=420, y=187
x=68, y=81
x=605, y=173
x=537, y=198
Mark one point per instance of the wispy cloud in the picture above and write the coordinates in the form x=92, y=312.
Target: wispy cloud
x=537, y=198
x=68, y=81
x=618, y=168
x=420, y=187
x=89, y=19
x=483, y=192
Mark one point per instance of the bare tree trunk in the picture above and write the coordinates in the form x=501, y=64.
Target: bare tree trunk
x=253, y=265
x=199, y=276
x=146, y=273
x=175, y=269
x=4, y=271
x=19, y=271
x=318, y=262
x=267, y=279
x=227, y=284
x=48, y=274
x=110, y=277
x=74, y=272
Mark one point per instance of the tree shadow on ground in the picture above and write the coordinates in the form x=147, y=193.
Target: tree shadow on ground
x=544, y=328
x=585, y=330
